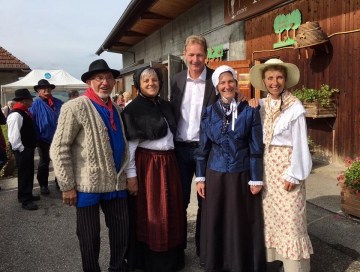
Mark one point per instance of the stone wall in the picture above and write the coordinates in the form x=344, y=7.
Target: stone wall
x=205, y=19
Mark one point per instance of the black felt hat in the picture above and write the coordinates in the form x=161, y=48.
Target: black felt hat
x=21, y=94
x=97, y=66
x=43, y=83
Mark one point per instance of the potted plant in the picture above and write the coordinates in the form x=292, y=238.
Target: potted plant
x=349, y=181
x=318, y=103
x=311, y=145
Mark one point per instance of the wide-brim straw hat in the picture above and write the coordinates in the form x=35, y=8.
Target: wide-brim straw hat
x=292, y=71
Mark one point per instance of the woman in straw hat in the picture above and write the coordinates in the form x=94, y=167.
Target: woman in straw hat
x=229, y=179
x=287, y=163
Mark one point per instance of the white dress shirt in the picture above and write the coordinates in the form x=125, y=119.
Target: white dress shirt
x=191, y=107
x=165, y=143
x=15, y=122
x=291, y=130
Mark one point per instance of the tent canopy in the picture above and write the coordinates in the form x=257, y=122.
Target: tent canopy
x=60, y=78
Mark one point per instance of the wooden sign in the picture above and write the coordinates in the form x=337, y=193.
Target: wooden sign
x=289, y=23
x=236, y=10
x=215, y=52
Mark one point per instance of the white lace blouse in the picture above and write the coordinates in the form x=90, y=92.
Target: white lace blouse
x=291, y=130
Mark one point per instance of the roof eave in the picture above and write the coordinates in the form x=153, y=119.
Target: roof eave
x=129, y=17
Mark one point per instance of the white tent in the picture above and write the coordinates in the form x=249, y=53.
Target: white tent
x=60, y=78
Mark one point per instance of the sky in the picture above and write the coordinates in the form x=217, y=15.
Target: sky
x=59, y=34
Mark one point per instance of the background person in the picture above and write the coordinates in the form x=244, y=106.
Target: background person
x=287, y=163
x=22, y=137
x=158, y=205
x=120, y=101
x=127, y=98
x=46, y=110
x=89, y=153
x=73, y=94
x=6, y=110
x=3, y=156
x=229, y=179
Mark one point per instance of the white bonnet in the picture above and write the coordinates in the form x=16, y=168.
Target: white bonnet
x=218, y=71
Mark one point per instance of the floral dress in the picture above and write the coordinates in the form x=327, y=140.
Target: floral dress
x=285, y=158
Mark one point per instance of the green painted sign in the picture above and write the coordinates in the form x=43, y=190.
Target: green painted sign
x=289, y=23
x=215, y=52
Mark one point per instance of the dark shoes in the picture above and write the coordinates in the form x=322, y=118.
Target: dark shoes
x=34, y=198
x=57, y=185
x=181, y=261
x=29, y=206
x=44, y=190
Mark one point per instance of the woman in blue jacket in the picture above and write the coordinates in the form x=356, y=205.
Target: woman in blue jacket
x=229, y=179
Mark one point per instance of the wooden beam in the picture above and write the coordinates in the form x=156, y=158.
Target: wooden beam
x=134, y=34
x=152, y=16
x=122, y=44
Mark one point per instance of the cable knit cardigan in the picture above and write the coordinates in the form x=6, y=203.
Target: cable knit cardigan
x=81, y=151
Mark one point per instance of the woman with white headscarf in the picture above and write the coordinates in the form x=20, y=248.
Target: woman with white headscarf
x=229, y=179
x=287, y=163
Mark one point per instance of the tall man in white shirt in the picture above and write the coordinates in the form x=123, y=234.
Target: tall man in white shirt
x=22, y=137
x=191, y=91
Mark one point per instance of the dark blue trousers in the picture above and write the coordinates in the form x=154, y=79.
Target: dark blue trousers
x=186, y=158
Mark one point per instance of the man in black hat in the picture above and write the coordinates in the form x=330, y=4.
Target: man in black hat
x=46, y=112
x=22, y=137
x=89, y=153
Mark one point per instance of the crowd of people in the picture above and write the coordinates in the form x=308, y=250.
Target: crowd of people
x=137, y=161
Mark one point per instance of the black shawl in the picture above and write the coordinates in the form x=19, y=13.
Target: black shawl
x=145, y=119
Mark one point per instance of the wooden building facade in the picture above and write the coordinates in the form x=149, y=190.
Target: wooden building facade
x=339, y=67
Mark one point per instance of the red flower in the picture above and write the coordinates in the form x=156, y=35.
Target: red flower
x=348, y=162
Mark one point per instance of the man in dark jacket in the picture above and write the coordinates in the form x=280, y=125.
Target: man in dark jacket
x=191, y=91
x=22, y=137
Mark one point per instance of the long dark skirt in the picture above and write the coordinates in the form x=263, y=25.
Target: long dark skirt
x=232, y=228
x=158, y=212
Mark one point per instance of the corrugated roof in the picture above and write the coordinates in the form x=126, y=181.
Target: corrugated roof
x=8, y=61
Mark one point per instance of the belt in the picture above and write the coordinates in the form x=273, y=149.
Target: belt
x=188, y=144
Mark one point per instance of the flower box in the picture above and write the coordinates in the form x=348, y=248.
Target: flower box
x=315, y=110
x=350, y=203
x=349, y=181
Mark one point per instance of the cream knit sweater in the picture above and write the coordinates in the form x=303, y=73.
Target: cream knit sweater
x=81, y=152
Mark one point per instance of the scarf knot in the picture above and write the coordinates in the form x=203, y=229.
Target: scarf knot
x=230, y=110
x=95, y=98
x=49, y=99
x=23, y=108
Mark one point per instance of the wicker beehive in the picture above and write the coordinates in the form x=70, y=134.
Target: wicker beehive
x=310, y=34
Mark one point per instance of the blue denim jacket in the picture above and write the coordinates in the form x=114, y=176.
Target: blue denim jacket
x=234, y=151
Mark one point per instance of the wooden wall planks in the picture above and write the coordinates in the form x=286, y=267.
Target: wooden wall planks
x=339, y=69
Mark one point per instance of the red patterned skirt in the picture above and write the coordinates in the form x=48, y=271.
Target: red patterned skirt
x=159, y=208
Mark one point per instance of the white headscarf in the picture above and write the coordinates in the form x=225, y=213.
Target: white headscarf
x=218, y=71
x=215, y=79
